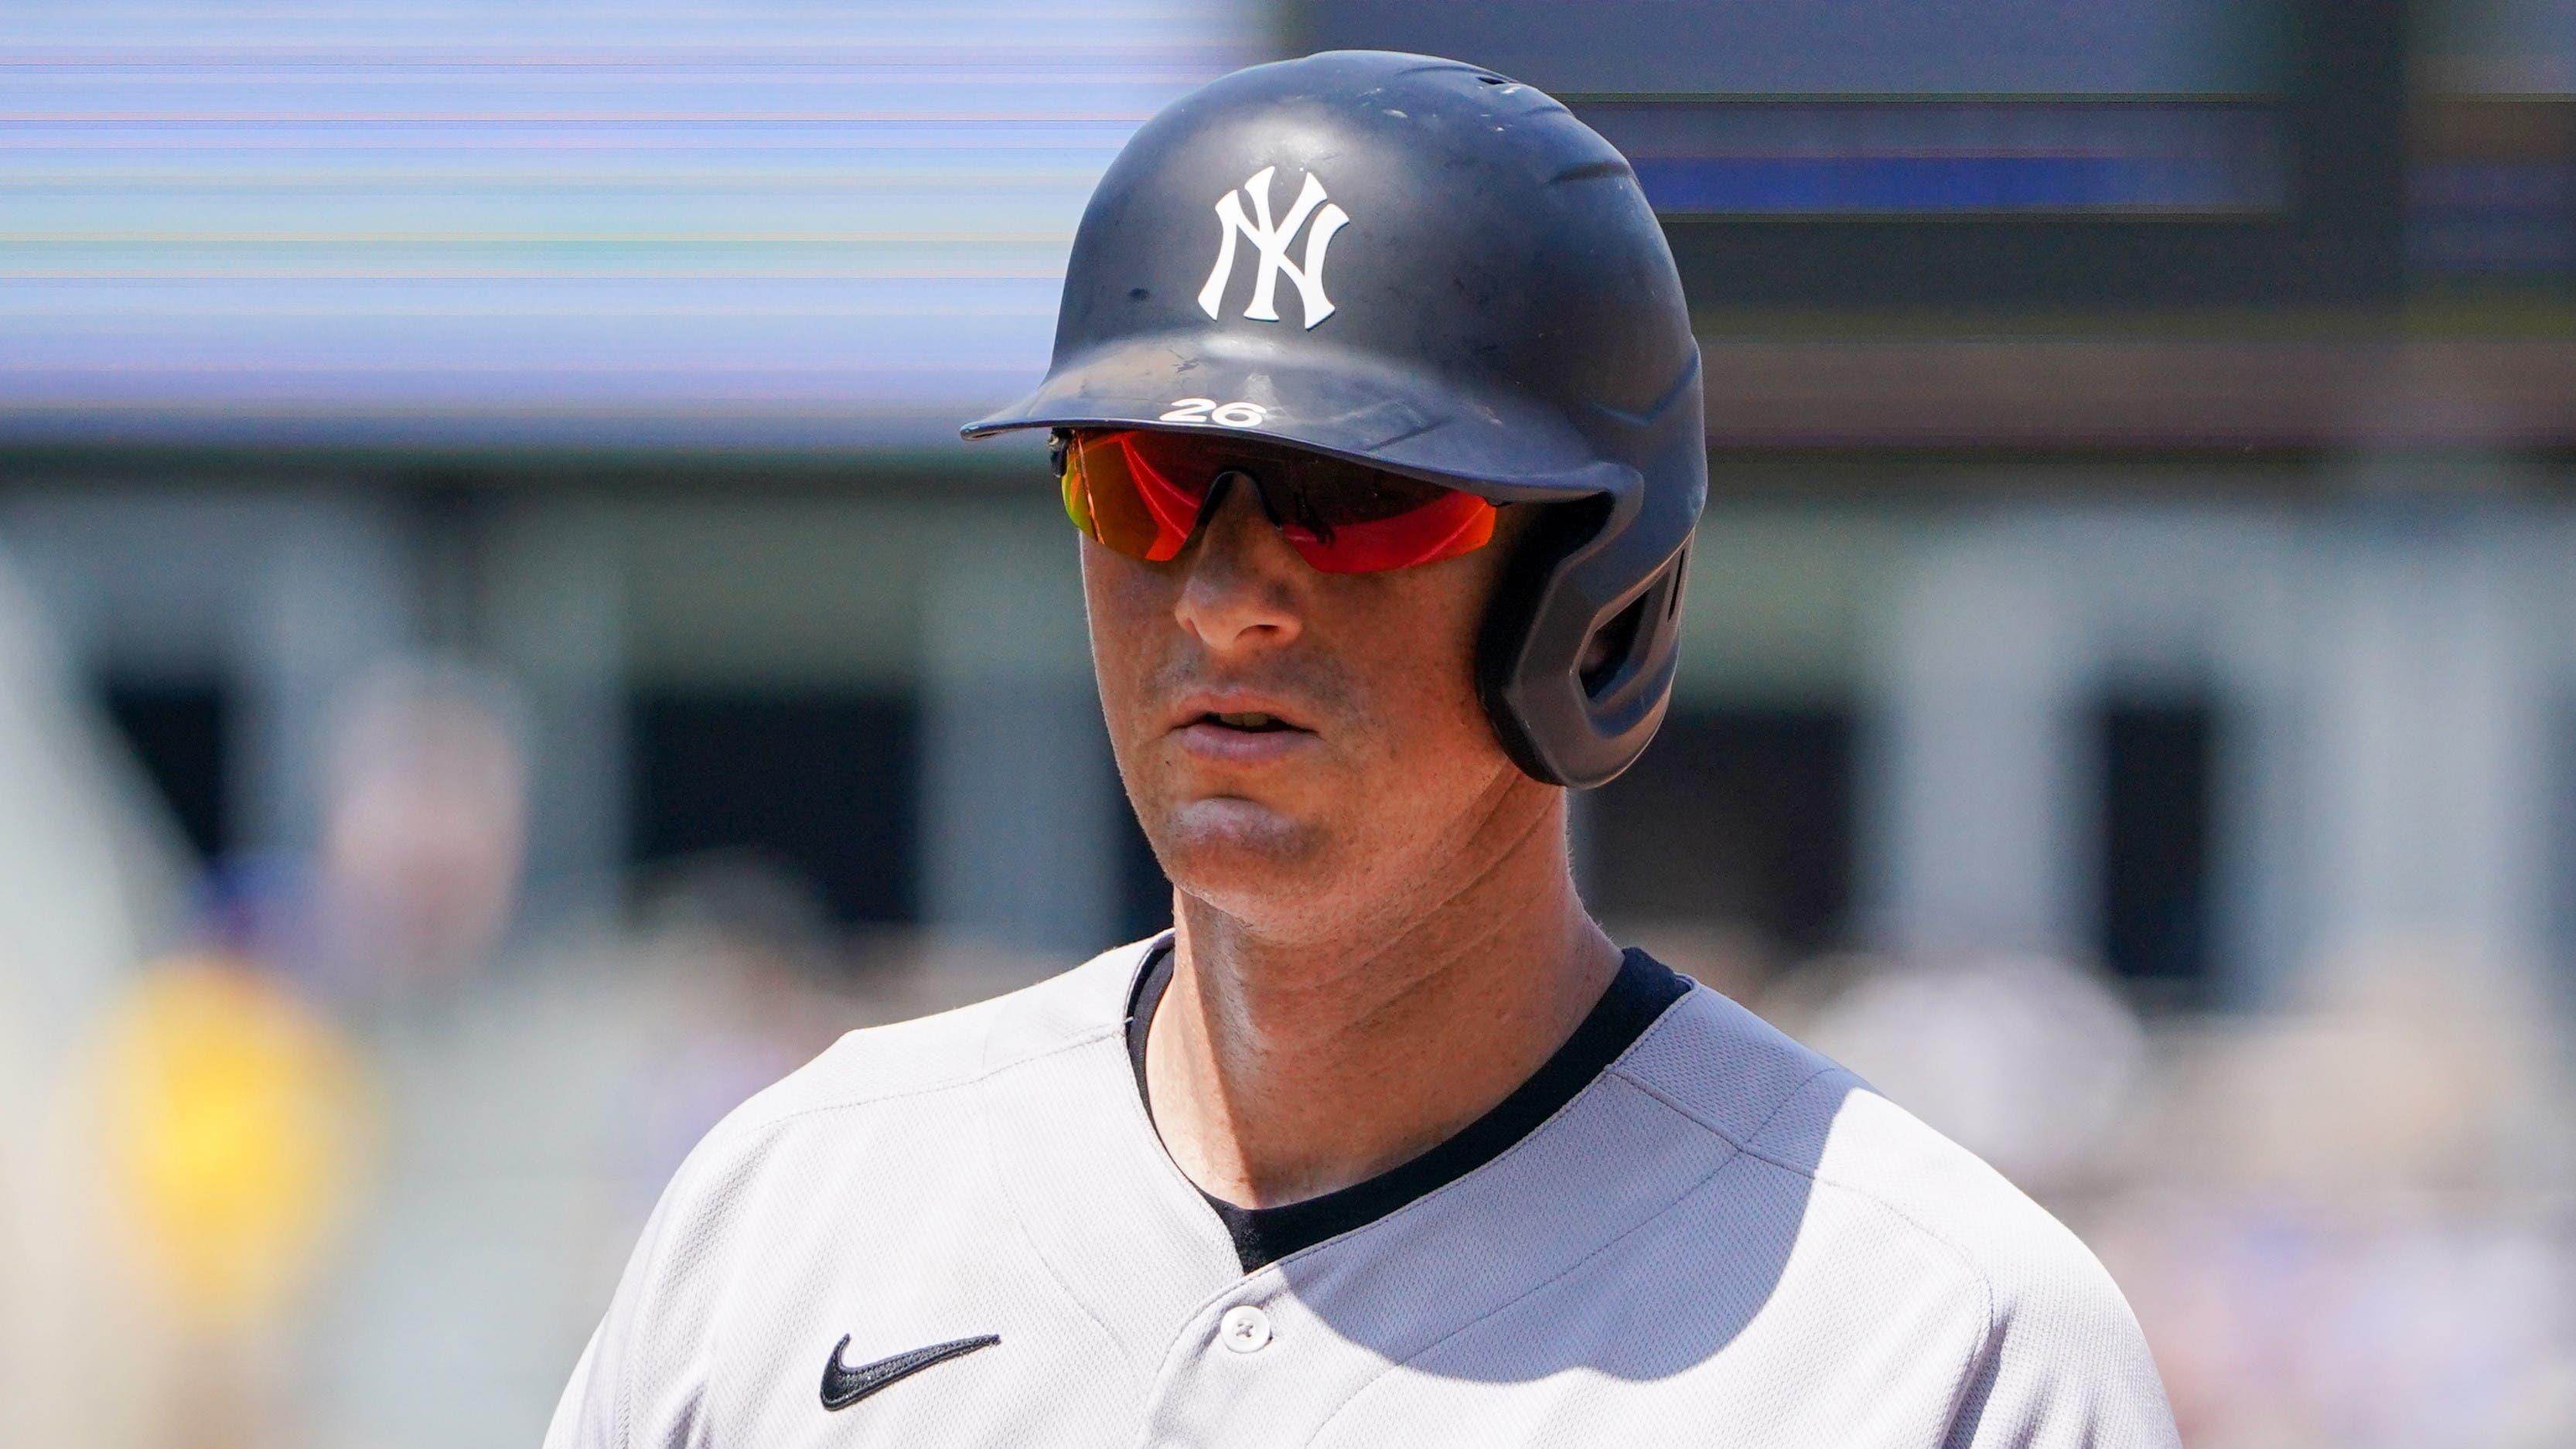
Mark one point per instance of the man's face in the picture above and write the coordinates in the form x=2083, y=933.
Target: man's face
x=1298, y=744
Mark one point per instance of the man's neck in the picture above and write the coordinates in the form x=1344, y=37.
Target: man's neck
x=1282, y=1071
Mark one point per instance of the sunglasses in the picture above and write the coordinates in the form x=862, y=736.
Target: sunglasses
x=1142, y=493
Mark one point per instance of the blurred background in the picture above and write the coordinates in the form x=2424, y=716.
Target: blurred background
x=502, y=655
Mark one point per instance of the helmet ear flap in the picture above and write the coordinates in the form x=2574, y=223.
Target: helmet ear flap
x=1573, y=696
x=1608, y=648
x=1624, y=651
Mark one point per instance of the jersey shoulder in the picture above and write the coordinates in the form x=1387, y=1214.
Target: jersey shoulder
x=946, y=1051
x=886, y=1093
x=1800, y=1112
x=2059, y=1358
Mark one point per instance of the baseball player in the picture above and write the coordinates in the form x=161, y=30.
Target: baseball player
x=1376, y=406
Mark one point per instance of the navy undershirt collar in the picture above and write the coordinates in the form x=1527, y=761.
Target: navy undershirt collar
x=1638, y=995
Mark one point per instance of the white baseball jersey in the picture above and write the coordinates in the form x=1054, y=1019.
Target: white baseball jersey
x=963, y=1230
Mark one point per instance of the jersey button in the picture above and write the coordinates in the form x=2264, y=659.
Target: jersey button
x=1244, y=1328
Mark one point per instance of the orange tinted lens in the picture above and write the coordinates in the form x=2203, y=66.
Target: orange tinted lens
x=1449, y=525
x=1119, y=496
x=1139, y=492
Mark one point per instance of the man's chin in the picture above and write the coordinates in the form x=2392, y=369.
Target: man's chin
x=1227, y=846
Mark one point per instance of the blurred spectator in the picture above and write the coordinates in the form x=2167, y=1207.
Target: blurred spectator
x=486, y=1176
x=2347, y=1224
x=748, y=981
x=744, y=962
x=91, y=871
x=88, y=886
x=2023, y=1059
x=229, y=1116
x=424, y=828
x=1736, y=960
x=89, y=875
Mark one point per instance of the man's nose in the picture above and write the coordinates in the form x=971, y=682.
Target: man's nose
x=1244, y=580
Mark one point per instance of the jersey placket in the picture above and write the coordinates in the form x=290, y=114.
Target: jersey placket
x=1114, y=1225
x=1339, y=1316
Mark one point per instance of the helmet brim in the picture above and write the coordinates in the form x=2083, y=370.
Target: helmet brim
x=1481, y=439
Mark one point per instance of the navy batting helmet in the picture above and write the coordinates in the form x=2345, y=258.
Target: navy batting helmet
x=1434, y=270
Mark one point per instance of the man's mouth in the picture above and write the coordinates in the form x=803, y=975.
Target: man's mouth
x=1240, y=732
x=1253, y=720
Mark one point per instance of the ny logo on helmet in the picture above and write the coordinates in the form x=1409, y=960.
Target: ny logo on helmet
x=1272, y=243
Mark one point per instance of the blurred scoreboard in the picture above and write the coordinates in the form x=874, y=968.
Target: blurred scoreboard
x=2083, y=154
x=2172, y=226
x=1867, y=108
x=2492, y=186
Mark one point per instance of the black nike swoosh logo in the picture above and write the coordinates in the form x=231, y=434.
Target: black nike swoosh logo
x=844, y=1386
